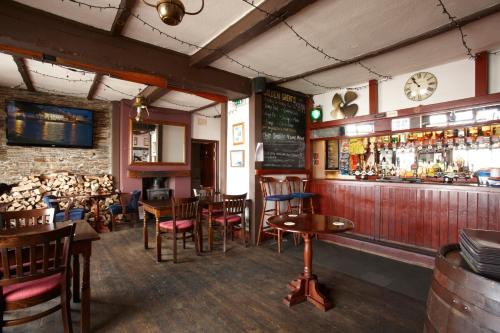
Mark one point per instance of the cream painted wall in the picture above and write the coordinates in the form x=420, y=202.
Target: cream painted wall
x=204, y=128
x=325, y=100
x=494, y=72
x=237, y=178
x=455, y=81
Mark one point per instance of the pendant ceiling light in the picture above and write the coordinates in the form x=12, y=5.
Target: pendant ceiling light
x=172, y=11
x=140, y=106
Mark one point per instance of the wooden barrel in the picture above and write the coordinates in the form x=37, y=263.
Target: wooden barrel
x=460, y=300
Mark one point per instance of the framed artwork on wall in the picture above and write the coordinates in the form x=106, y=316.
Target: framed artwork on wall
x=238, y=134
x=237, y=158
x=146, y=141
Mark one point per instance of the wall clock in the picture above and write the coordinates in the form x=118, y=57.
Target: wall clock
x=420, y=86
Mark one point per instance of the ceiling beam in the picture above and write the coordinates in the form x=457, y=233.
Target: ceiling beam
x=250, y=26
x=121, y=17
x=204, y=107
x=94, y=86
x=426, y=35
x=152, y=93
x=25, y=74
x=75, y=44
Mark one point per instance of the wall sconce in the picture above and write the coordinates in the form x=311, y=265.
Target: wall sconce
x=140, y=107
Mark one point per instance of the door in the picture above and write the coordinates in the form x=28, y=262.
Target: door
x=208, y=163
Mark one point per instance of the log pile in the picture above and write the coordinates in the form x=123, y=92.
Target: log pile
x=28, y=193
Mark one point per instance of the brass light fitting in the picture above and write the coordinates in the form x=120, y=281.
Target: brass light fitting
x=140, y=106
x=171, y=12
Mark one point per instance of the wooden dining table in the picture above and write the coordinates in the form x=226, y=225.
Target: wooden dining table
x=162, y=208
x=306, y=286
x=82, y=246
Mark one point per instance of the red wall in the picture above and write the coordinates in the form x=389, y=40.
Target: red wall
x=180, y=185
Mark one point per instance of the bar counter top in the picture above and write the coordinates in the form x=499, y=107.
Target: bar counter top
x=411, y=183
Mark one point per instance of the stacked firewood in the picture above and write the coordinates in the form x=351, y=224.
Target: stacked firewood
x=28, y=193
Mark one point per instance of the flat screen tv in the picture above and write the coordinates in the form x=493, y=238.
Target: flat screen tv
x=32, y=124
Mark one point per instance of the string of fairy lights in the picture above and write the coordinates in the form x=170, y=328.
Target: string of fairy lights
x=380, y=77
x=259, y=72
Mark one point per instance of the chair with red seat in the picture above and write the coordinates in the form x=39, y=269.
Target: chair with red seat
x=233, y=214
x=184, y=220
x=34, y=270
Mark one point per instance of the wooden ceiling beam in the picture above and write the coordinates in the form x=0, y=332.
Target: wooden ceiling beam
x=204, y=107
x=75, y=44
x=121, y=17
x=426, y=35
x=94, y=86
x=25, y=74
x=152, y=93
x=250, y=26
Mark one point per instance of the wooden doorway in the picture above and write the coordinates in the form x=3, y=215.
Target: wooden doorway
x=204, y=163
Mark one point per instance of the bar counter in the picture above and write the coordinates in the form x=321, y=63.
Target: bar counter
x=416, y=217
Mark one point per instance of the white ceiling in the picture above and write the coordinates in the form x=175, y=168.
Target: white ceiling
x=181, y=101
x=52, y=78
x=102, y=19
x=10, y=74
x=342, y=28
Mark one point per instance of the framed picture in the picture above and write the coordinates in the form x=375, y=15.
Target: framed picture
x=238, y=134
x=135, y=141
x=237, y=158
x=146, y=141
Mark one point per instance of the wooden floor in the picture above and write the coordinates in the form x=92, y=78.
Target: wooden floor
x=240, y=291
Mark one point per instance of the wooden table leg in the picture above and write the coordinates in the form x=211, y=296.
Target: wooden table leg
x=158, y=239
x=76, y=278
x=305, y=287
x=210, y=231
x=85, y=321
x=145, y=230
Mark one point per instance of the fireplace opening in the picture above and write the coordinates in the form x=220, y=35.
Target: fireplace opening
x=156, y=188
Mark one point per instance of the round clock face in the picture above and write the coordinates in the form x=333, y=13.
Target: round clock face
x=420, y=86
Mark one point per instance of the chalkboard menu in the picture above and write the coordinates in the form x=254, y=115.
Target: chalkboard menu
x=283, y=129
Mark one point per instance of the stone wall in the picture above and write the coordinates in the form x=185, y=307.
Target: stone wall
x=18, y=161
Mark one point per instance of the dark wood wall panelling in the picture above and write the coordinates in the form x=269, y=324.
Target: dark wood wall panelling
x=419, y=216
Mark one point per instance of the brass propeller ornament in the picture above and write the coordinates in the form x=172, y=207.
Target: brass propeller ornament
x=171, y=12
x=342, y=107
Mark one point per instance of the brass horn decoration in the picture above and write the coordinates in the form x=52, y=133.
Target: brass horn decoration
x=172, y=11
x=342, y=107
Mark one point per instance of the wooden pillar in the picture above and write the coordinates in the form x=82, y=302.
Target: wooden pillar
x=481, y=74
x=115, y=142
x=373, y=96
x=255, y=127
x=307, y=164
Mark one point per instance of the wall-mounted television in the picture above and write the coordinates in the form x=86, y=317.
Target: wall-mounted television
x=33, y=124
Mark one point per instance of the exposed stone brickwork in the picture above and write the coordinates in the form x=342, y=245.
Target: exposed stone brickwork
x=17, y=161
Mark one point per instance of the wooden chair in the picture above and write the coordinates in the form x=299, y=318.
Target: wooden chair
x=69, y=213
x=233, y=213
x=274, y=191
x=298, y=189
x=184, y=220
x=128, y=206
x=35, y=269
x=26, y=218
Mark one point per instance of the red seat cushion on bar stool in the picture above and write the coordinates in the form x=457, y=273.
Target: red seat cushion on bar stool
x=180, y=224
x=24, y=290
x=230, y=219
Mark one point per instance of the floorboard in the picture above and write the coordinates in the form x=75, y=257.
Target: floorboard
x=242, y=290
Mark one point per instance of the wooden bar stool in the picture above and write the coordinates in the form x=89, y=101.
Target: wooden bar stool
x=298, y=189
x=273, y=190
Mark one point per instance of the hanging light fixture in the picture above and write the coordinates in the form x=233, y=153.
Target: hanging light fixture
x=172, y=11
x=140, y=106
